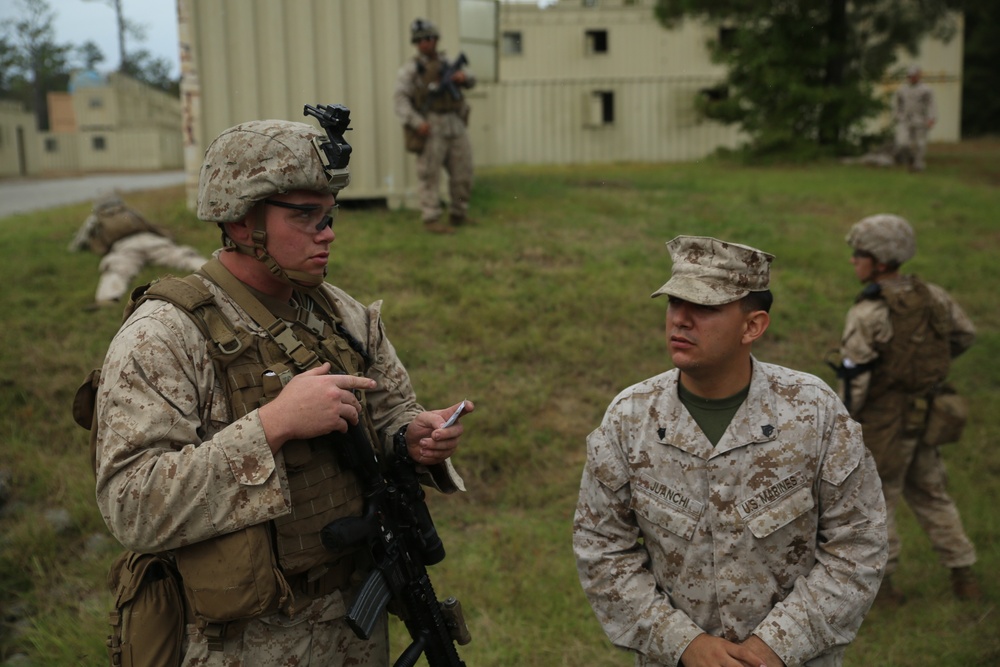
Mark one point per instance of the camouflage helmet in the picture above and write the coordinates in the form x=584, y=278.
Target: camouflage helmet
x=888, y=238
x=254, y=160
x=107, y=201
x=421, y=28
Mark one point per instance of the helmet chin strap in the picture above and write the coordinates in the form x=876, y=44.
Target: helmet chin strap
x=259, y=252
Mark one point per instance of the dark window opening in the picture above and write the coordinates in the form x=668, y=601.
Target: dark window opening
x=597, y=41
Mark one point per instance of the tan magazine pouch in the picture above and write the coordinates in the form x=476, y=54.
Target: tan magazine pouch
x=232, y=577
x=946, y=417
x=147, y=622
x=412, y=140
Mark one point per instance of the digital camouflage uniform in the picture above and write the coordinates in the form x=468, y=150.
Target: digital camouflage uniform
x=778, y=530
x=178, y=469
x=447, y=146
x=914, y=112
x=127, y=243
x=893, y=425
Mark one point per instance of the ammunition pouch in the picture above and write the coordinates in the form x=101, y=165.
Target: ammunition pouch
x=147, y=622
x=946, y=416
x=233, y=577
x=413, y=141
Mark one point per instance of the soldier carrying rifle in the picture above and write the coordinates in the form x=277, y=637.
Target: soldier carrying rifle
x=432, y=108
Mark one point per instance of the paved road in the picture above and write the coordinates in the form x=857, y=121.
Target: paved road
x=24, y=195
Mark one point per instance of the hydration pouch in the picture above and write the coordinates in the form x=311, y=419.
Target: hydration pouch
x=147, y=622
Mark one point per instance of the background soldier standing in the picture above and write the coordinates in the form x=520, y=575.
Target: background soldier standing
x=127, y=242
x=915, y=115
x=434, y=115
x=222, y=406
x=898, y=342
x=729, y=512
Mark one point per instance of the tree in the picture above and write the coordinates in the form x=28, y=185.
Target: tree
x=90, y=54
x=140, y=64
x=802, y=73
x=981, y=69
x=37, y=63
x=155, y=72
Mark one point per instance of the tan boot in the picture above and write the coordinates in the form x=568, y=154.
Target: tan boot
x=964, y=584
x=888, y=594
x=437, y=227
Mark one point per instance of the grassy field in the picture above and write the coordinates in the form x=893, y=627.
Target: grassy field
x=540, y=313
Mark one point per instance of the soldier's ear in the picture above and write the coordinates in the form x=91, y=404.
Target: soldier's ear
x=754, y=325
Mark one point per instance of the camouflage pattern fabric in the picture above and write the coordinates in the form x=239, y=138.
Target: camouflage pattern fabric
x=888, y=238
x=893, y=425
x=778, y=531
x=129, y=255
x=711, y=272
x=254, y=160
x=913, y=111
x=448, y=146
x=173, y=468
x=319, y=637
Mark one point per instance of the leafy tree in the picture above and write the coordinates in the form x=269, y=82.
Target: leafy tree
x=36, y=63
x=142, y=65
x=7, y=62
x=90, y=54
x=802, y=73
x=981, y=69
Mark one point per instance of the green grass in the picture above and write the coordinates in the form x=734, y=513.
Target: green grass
x=540, y=314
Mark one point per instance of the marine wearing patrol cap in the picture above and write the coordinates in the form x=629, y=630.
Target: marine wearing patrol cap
x=711, y=272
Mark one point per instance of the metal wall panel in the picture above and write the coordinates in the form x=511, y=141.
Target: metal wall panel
x=251, y=59
x=548, y=122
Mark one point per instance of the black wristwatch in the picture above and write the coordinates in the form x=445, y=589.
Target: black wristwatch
x=399, y=443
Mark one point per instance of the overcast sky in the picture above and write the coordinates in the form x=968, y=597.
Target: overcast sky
x=79, y=21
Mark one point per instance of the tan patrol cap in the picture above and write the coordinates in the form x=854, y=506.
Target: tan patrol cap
x=710, y=272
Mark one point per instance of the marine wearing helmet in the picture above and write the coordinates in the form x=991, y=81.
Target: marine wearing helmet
x=248, y=163
x=422, y=29
x=888, y=238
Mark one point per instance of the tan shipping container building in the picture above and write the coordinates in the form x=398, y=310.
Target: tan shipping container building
x=578, y=81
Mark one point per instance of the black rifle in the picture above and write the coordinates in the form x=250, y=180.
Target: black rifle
x=397, y=528
x=447, y=71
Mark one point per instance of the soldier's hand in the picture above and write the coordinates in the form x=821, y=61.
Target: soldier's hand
x=760, y=647
x=709, y=651
x=313, y=403
x=424, y=129
x=427, y=442
x=458, y=77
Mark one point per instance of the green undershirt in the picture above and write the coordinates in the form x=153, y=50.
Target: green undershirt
x=713, y=415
